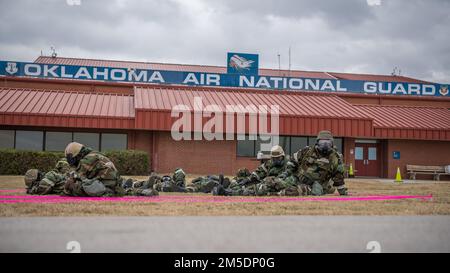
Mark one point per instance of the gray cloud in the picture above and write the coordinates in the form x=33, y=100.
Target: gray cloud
x=341, y=36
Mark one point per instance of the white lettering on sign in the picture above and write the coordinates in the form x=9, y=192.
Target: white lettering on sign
x=17, y=69
x=97, y=73
x=50, y=72
x=82, y=72
x=118, y=75
x=202, y=79
x=32, y=70
x=399, y=88
x=64, y=74
x=156, y=76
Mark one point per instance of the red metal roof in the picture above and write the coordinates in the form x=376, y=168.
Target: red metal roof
x=290, y=104
x=300, y=114
x=409, y=122
x=221, y=69
x=150, y=109
x=62, y=108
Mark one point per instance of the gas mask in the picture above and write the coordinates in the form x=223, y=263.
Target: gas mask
x=72, y=160
x=277, y=161
x=324, y=146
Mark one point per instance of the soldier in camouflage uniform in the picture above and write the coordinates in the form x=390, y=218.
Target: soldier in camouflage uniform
x=256, y=184
x=141, y=188
x=95, y=174
x=51, y=182
x=206, y=184
x=320, y=168
x=174, y=183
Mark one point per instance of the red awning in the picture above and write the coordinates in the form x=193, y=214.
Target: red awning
x=32, y=107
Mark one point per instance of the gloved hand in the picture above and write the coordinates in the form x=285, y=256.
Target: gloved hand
x=244, y=182
x=69, y=186
x=73, y=175
x=343, y=191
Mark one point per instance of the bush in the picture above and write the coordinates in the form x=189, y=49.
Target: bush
x=129, y=162
x=15, y=162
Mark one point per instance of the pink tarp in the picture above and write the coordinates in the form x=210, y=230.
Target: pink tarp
x=195, y=199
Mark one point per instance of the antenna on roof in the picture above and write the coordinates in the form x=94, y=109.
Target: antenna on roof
x=394, y=71
x=289, y=61
x=54, y=54
x=279, y=64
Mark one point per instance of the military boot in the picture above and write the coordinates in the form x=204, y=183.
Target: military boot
x=317, y=189
x=218, y=190
x=148, y=192
x=127, y=184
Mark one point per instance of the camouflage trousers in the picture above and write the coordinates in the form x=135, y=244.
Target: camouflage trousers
x=93, y=187
x=140, y=188
x=278, y=186
x=316, y=187
x=323, y=188
x=170, y=186
x=203, y=184
x=52, y=183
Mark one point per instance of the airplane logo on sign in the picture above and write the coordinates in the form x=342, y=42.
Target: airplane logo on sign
x=240, y=63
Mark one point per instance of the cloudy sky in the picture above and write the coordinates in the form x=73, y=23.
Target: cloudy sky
x=339, y=36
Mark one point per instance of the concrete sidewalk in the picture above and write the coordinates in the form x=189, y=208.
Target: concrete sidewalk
x=227, y=234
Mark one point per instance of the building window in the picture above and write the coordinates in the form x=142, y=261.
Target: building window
x=246, y=147
x=6, y=139
x=338, y=144
x=29, y=140
x=91, y=140
x=57, y=141
x=312, y=141
x=258, y=144
x=298, y=143
x=286, y=144
x=290, y=144
x=114, y=142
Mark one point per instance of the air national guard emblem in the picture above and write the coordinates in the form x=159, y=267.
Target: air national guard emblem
x=11, y=68
x=444, y=90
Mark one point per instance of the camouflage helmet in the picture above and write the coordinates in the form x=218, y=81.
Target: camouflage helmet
x=242, y=173
x=62, y=166
x=179, y=173
x=276, y=151
x=179, y=176
x=73, y=149
x=31, y=176
x=325, y=135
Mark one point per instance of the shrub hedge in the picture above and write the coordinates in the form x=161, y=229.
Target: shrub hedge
x=15, y=162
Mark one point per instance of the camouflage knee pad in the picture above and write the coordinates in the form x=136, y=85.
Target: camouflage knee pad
x=93, y=187
x=317, y=189
x=262, y=189
x=290, y=191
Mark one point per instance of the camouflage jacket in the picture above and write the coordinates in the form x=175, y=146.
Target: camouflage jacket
x=269, y=169
x=53, y=181
x=98, y=177
x=96, y=166
x=312, y=166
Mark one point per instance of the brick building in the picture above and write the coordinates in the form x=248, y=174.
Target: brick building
x=376, y=132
